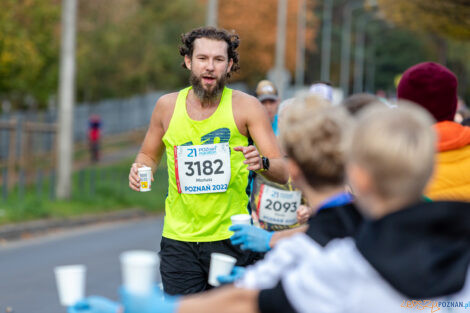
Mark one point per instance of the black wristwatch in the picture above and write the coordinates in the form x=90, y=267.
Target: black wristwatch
x=265, y=161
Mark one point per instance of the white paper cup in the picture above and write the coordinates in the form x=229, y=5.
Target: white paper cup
x=145, y=175
x=221, y=264
x=70, y=280
x=241, y=219
x=138, y=270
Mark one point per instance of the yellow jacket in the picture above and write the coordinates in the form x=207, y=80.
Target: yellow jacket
x=451, y=178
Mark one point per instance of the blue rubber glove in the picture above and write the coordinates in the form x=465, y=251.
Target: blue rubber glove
x=251, y=237
x=94, y=304
x=237, y=273
x=154, y=302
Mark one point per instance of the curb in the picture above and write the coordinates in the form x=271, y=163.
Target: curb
x=27, y=229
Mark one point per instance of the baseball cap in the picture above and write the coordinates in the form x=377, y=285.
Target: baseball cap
x=266, y=91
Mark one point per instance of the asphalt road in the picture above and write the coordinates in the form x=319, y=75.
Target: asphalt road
x=27, y=283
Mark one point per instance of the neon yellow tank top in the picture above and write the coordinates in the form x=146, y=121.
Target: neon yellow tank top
x=204, y=217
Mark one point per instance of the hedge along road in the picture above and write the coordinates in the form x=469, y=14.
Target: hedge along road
x=27, y=282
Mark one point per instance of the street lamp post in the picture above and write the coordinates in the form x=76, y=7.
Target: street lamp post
x=300, y=60
x=212, y=10
x=359, y=55
x=346, y=45
x=279, y=74
x=326, y=40
x=370, y=74
x=66, y=100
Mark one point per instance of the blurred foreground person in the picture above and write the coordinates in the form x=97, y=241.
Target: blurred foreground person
x=322, y=157
x=408, y=255
x=357, y=102
x=213, y=137
x=434, y=87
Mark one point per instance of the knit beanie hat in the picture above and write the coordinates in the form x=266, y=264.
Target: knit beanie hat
x=432, y=86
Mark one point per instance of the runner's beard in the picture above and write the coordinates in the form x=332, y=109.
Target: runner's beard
x=210, y=95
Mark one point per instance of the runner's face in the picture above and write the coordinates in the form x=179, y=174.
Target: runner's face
x=209, y=64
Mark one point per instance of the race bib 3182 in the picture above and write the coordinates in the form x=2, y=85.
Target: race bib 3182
x=203, y=168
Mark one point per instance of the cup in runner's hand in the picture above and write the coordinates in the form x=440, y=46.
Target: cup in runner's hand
x=145, y=175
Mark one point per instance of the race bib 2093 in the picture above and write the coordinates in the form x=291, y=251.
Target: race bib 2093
x=277, y=206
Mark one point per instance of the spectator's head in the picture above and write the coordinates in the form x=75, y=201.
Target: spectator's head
x=357, y=102
x=313, y=134
x=267, y=94
x=322, y=89
x=391, y=157
x=433, y=87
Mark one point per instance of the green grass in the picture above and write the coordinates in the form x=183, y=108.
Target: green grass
x=94, y=190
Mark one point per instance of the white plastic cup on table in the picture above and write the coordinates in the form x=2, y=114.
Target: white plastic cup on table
x=241, y=219
x=70, y=280
x=138, y=270
x=221, y=264
x=145, y=175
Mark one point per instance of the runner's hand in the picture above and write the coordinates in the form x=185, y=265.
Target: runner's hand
x=95, y=304
x=134, y=179
x=251, y=237
x=252, y=157
x=236, y=273
x=303, y=214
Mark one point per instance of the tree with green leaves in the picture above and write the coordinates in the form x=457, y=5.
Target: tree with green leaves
x=29, y=50
x=449, y=18
x=132, y=46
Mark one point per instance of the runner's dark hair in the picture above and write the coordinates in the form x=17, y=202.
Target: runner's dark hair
x=231, y=38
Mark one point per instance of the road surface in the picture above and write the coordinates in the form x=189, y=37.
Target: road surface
x=27, y=283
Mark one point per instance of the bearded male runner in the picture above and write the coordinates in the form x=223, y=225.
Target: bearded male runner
x=208, y=131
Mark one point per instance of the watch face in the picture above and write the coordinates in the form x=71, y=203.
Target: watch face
x=265, y=163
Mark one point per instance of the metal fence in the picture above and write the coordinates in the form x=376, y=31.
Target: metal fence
x=27, y=139
x=117, y=116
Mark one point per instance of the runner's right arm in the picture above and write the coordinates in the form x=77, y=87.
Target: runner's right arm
x=152, y=147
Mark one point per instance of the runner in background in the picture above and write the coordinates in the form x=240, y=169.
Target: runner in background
x=94, y=134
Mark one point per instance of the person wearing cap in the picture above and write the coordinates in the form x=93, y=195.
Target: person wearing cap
x=434, y=87
x=267, y=94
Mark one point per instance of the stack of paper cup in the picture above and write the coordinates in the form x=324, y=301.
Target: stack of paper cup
x=145, y=175
x=241, y=219
x=138, y=270
x=221, y=264
x=70, y=281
